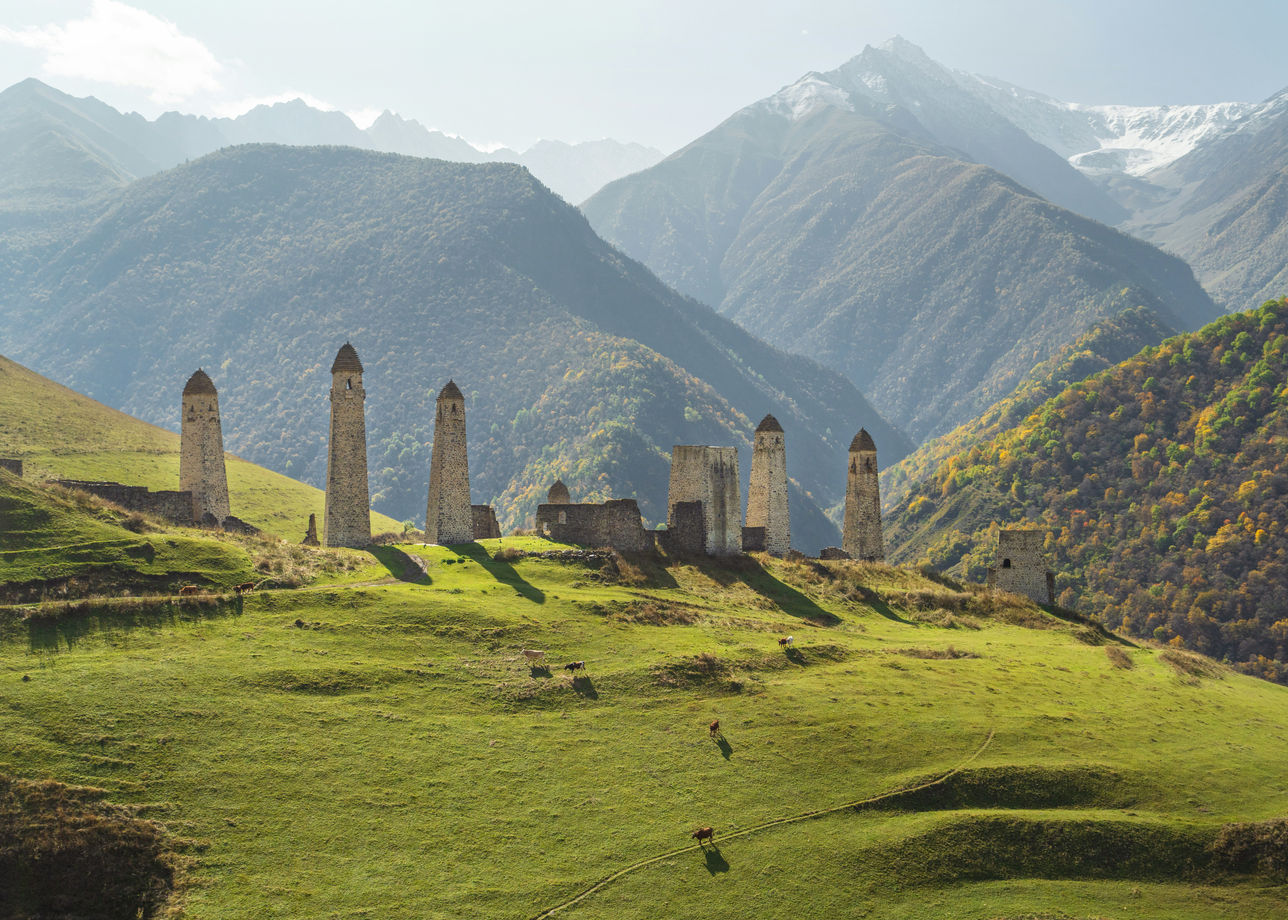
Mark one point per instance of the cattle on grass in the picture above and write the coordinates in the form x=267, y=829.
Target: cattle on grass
x=574, y=666
x=188, y=590
x=715, y=728
x=245, y=587
x=786, y=641
x=533, y=655
x=703, y=834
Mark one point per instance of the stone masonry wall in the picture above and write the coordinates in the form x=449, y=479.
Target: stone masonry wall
x=767, y=492
x=175, y=507
x=485, y=523
x=1020, y=567
x=201, y=455
x=685, y=531
x=861, y=532
x=709, y=475
x=347, y=521
x=615, y=523
x=448, y=518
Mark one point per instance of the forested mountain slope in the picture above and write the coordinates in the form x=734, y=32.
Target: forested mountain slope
x=257, y=263
x=1162, y=483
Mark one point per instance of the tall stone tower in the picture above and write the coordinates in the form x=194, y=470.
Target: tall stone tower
x=448, y=518
x=201, y=449
x=861, y=533
x=707, y=476
x=347, y=521
x=767, y=493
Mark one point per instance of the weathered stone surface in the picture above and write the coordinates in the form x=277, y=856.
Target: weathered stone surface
x=686, y=532
x=615, y=523
x=834, y=553
x=201, y=448
x=709, y=475
x=311, y=535
x=232, y=524
x=767, y=492
x=13, y=465
x=347, y=521
x=558, y=494
x=753, y=540
x=484, y=522
x=861, y=531
x=448, y=515
x=1020, y=567
x=175, y=507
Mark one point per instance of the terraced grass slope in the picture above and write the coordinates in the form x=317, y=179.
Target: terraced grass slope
x=385, y=750
x=59, y=433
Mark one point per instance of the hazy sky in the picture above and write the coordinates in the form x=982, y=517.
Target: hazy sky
x=659, y=72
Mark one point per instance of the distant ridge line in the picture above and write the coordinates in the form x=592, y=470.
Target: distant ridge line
x=817, y=813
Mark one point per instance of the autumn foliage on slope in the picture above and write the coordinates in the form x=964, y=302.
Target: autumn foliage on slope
x=1163, y=485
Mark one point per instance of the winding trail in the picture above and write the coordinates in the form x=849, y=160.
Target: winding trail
x=818, y=813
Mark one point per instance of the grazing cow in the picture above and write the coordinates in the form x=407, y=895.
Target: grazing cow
x=715, y=728
x=187, y=590
x=785, y=641
x=533, y=655
x=573, y=666
x=245, y=587
x=703, y=834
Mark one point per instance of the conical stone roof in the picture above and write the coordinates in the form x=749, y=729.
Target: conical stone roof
x=862, y=441
x=451, y=391
x=199, y=383
x=768, y=423
x=558, y=494
x=346, y=361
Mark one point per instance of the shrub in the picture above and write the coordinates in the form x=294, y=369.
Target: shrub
x=1118, y=658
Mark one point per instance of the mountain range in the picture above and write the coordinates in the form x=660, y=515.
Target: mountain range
x=65, y=146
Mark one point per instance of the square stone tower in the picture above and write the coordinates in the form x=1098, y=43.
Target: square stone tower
x=861, y=531
x=201, y=449
x=767, y=492
x=709, y=475
x=1020, y=568
x=347, y=521
x=448, y=516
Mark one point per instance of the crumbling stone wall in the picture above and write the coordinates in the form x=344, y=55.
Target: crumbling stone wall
x=13, y=465
x=753, y=540
x=861, y=531
x=615, y=523
x=485, y=523
x=767, y=492
x=686, y=531
x=709, y=475
x=448, y=515
x=175, y=507
x=347, y=520
x=1020, y=567
x=201, y=448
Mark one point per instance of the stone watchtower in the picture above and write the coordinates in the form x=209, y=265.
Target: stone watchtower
x=767, y=493
x=1020, y=567
x=201, y=449
x=861, y=532
x=348, y=503
x=448, y=518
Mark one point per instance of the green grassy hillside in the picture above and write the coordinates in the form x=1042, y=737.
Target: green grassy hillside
x=58, y=433
x=1162, y=485
x=386, y=751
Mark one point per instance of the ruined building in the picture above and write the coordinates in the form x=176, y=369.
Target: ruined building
x=347, y=521
x=861, y=531
x=485, y=524
x=201, y=449
x=1020, y=568
x=704, y=501
x=615, y=523
x=767, y=492
x=449, y=518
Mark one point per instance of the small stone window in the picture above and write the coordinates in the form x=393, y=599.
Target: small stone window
x=563, y=517
x=348, y=384
x=1006, y=563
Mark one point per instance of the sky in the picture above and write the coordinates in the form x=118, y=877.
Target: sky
x=658, y=72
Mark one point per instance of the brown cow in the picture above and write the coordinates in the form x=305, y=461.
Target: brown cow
x=245, y=587
x=786, y=641
x=187, y=590
x=715, y=728
x=703, y=834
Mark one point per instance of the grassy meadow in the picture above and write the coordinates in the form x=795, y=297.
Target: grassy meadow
x=380, y=748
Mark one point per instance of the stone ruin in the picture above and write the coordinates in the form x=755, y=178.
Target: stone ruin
x=1020, y=567
x=615, y=523
x=175, y=507
x=311, y=535
x=707, y=476
x=484, y=522
x=861, y=531
x=347, y=521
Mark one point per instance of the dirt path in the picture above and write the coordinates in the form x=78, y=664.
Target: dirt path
x=633, y=867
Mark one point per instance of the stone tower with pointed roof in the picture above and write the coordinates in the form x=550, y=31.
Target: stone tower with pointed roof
x=861, y=532
x=767, y=492
x=347, y=521
x=201, y=449
x=448, y=518
x=558, y=494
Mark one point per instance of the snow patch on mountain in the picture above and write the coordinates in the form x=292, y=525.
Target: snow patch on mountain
x=808, y=93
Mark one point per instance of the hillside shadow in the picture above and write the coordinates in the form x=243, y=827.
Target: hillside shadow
x=586, y=687
x=404, y=567
x=501, y=571
x=540, y=670
x=715, y=859
x=750, y=572
x=726, y=749
x=877, y=603
x=794, y=656
x=66, y=628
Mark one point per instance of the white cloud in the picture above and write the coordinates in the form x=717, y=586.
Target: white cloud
x=125, y=46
